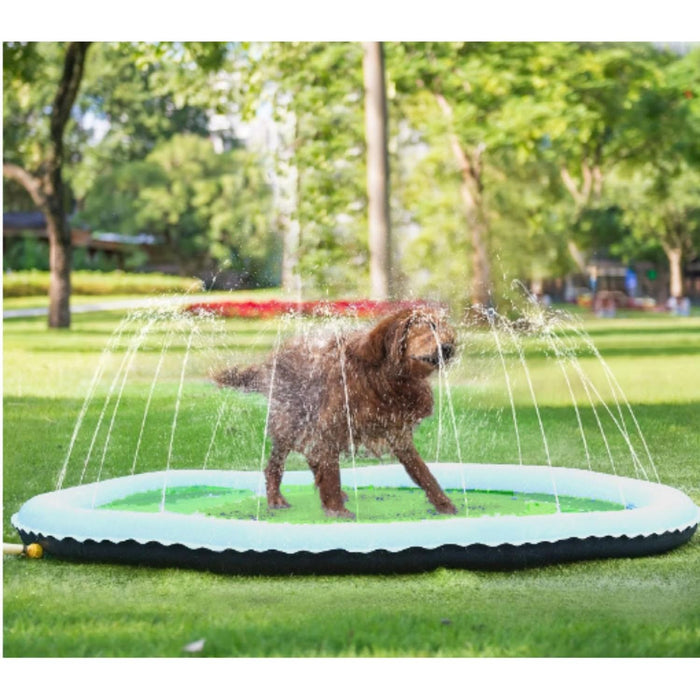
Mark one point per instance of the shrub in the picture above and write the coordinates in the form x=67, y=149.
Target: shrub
x=89, y=283
x=26, y=253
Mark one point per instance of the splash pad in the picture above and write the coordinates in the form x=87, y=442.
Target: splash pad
x=645, y=518
x=112, y=518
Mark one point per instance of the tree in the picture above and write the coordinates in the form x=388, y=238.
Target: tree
x=135, y=96
x=56, y=158
x=212, y=209
x=315, y=92
x=664, y=212
x=477, y=88
x=594, y=118
x=43, y=179
x=380, y=261
x=654, y=178
x=535, y=130
x=670, y=133
x=470, y=164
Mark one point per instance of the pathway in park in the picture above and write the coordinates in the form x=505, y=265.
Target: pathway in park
x=117, y=304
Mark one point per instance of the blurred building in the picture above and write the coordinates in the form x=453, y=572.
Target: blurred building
x=114, y=248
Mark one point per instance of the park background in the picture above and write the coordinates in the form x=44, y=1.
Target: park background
x=327, y=276
x=430, y=169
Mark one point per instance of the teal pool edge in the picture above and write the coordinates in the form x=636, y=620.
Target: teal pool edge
x=652, y=510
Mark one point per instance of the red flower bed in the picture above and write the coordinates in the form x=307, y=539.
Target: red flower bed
x=363, y=308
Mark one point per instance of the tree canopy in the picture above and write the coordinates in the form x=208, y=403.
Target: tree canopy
x=506, y=159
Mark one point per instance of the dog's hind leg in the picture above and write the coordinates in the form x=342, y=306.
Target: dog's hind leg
x=326, y=471
x=315, y=472
x=273, y=476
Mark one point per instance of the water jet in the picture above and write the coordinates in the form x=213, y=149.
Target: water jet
x=510, y=515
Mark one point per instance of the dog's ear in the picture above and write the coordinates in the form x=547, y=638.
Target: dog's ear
x=373, y=347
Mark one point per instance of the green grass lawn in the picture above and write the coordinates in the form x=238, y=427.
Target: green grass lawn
x=376, y=504
x=622, y=607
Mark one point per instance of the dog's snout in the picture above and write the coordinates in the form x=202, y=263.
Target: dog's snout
x=447, y=350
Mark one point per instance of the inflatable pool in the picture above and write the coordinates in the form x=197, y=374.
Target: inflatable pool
x=95, y=522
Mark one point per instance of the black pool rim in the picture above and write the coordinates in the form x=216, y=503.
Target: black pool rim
x=502, y=557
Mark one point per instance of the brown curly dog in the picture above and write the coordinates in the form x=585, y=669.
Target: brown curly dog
x=365, y=388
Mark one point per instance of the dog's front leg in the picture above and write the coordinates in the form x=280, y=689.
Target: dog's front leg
x=417, y=469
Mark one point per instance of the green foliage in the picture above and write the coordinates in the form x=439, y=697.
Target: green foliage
x=31, y=253
x=659, y=188
x=600, y=227
x=570, y=140
x=429, y=226
x=492, y=91
x=140, y=95
x=212, y=208
x=137, y=93
x=26, y=253
x=596, y=99
x=551, y=124
x=640, y=120
x=663, y=211
x=316, y=93
x=31, y=73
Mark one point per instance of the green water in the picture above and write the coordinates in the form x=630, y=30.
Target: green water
x=371, y=504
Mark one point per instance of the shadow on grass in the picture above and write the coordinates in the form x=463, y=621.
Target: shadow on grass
x=643, y=607
x=691, y=348
x=653, y=329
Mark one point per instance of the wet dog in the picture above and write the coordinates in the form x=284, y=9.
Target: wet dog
x=362, y=388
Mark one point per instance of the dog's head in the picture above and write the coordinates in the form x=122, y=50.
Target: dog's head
x=415, y=341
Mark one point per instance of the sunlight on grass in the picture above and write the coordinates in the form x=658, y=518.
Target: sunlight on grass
x=636, y=607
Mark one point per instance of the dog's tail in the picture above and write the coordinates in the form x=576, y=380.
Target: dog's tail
x=248, y=379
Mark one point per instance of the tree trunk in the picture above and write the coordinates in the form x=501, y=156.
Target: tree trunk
x=675, y=257
x=56, y=224
x=591, y=189
x=377, y=171
x=481, y=266
x=43, y=195
x=576, y=255
x=60, y=250
x=47, y=190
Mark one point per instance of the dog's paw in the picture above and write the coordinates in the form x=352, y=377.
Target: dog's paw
x=445, y=507
x=339, y=513
x=277, y=502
